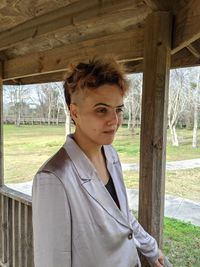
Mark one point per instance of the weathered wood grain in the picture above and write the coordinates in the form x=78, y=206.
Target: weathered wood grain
x=55, y=60
x=154, y=123
x=16, y=12
x=16, y=195
x=70, y=17
x=186, y=25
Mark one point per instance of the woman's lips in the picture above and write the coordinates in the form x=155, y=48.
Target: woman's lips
x=109, y=132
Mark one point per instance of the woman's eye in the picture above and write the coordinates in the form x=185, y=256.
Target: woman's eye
x=119, y=110
x=101, y=110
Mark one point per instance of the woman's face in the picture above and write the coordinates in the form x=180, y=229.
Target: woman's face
x=98, y=113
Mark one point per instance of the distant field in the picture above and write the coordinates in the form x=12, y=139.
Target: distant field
x=27, y=147
x=181, y=183
x=128, y=146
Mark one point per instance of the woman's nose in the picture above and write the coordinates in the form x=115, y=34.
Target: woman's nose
x=113, y=118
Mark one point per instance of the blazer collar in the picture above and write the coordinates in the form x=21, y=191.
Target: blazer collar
x=82, y=163
x=93, y=185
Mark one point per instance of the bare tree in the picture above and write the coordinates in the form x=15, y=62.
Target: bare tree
x=47, y=96
x=18, y=97
x=133, y=101
x=196, y=102
x=58, y=108
x=59, y=87
x=177, y=100
x=42, y=106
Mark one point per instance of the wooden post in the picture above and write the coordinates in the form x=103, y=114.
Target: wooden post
x=1, y=127
x=154, y=123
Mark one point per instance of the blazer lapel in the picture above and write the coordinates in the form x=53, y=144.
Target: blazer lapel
x=114, y=168
x=99, y=193
x=94, y=186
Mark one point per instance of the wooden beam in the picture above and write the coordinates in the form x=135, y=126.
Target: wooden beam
x=161, y=5
x=186, y=25
x=1, y=127
x=194, y=51
x=134, y=66
x=66, y=17
x=154, y=123
x=130, y=67
x=45, y=78
x=56, y=60
x=182, y=59
x=169, y=5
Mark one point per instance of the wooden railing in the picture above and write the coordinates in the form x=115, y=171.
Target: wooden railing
x=16, y=246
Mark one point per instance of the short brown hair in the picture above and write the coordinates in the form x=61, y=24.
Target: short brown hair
x=93, y=74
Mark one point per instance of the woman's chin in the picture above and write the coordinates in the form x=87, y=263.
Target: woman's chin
x=108, y=141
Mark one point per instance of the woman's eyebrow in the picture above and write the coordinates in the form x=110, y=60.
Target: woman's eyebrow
x=106, y=105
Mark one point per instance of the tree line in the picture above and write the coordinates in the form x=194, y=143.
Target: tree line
x=183, y=102
x=45, y=103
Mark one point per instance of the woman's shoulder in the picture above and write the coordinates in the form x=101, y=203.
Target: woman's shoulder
x=57, y=164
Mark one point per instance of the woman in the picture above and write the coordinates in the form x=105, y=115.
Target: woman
x=80, y=210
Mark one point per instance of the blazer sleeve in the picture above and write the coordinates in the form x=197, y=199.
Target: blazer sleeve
x=145, y=243
x=51, y=222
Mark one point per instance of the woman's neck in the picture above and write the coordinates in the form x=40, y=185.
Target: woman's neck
x=95, y=154
x=92, y=151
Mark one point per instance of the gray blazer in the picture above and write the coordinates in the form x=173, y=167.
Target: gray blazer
x=76, y=223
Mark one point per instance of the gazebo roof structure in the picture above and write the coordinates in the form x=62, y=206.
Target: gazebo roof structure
x=39, y=38
x=42, y=37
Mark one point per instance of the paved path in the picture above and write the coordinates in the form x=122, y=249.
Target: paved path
x=175, y=207
x=171, y=165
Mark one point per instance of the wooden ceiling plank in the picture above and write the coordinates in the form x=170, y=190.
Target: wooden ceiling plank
x=68, y=16
x=125, y=46
x=186, y=25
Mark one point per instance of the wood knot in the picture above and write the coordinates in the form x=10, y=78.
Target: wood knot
x=159, y=43
x=58, y=61
x=4, y=226
x=158, y=144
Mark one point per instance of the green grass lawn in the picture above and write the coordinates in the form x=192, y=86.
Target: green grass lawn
x=181, y=183
x=128, y=146
x=181, y=243
x=27, y=147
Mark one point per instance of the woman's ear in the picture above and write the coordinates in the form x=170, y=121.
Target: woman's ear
x=73, y=111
